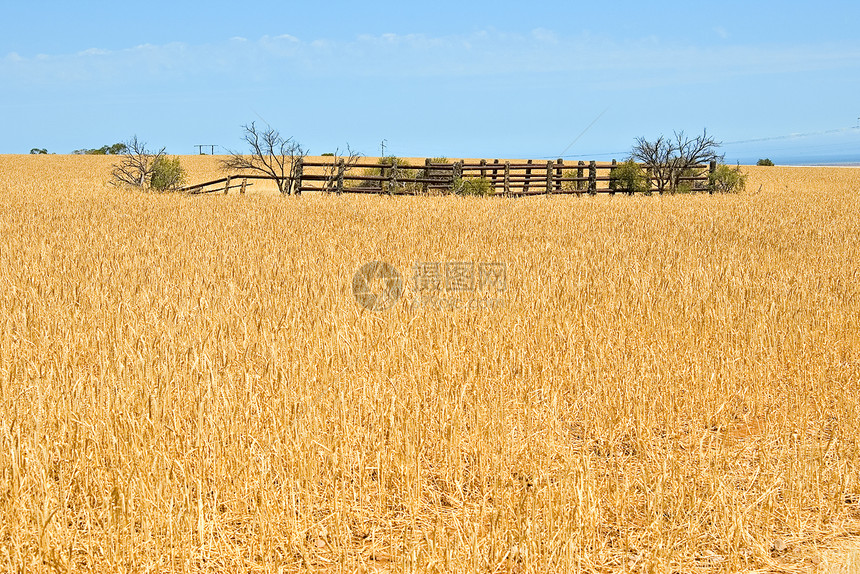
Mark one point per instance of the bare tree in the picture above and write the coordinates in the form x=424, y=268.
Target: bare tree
x=669, y=159
x=271, y=154
x=337, y=169
x=136, y=165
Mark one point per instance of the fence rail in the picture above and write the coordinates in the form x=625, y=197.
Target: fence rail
x=510, y=178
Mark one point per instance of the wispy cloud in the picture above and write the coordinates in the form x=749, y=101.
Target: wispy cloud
x=596, y=60
x=721, y=32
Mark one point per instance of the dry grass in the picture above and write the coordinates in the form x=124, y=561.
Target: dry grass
x=186, y=384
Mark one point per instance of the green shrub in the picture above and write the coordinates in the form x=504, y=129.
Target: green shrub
x=764, y=161
x=167, y=174
x=629, y=177
x=683, y=186
x=574, y=172
x=727, y=179
x=115, y=149
x=568, y=185
x=404, y=171
x=479, y=186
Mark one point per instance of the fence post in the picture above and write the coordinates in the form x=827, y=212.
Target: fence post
x=495, y=172
x=242, y=189
x=549, y=173
x=483, y=169
x=341, y=168
x=424, y=185
x=559, y=173
x=392, y=184
x=507, y=178
x=227, y=185
x=712, y=167
x=580, y=185
x=528, y=178
x=632, y=190
x=613, y=185
x=297, y=183
x=457, y=176
x=592, y=177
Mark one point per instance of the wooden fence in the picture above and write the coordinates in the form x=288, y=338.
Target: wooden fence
x=494, y=177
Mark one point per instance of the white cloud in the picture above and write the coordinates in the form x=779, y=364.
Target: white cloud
x=544, y=35
x=595, y=59
x=93, y=52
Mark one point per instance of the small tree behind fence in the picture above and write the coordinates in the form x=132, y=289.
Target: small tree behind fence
x=675, y=163
x=272, y=156
x=145, y=169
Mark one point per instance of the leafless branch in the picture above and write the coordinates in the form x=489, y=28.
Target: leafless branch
x=337, y=169
x=668, y=160
x=271, y=154
x=135, y=168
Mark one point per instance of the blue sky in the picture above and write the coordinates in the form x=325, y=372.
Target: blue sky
x=474, y=79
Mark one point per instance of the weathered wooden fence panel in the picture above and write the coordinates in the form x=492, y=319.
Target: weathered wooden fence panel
x=511, y=178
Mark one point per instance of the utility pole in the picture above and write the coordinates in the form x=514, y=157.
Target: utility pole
x=201, y=146
x=382, y=147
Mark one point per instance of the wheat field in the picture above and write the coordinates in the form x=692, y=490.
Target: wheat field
x=187, y=384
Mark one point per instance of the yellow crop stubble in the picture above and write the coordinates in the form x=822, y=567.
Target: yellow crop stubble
x=187, y=384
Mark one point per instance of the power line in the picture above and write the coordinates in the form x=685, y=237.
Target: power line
x=794, y=136
x=738, y=142
x=604, y=154
x=588, y=127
